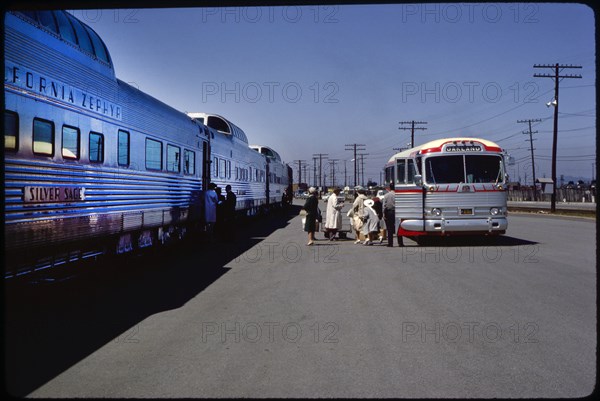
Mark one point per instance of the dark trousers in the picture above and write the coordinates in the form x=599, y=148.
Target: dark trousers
x=390, y=225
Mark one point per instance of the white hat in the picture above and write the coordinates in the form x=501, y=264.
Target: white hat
x=312, y=190
x=369, y=202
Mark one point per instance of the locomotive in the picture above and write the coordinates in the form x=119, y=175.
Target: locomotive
x=93, y=165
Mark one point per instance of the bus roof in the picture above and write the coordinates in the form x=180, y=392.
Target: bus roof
x=437, y=145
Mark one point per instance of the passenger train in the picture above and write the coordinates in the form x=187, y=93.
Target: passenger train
x=449, y=187
x=92, y=165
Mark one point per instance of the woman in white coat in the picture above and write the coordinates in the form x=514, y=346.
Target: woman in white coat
x=333, y=220
x=357, y=212
x=370, y=222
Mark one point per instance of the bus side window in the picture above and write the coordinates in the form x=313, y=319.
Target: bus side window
x=401, y=172
x=411, y=172
x=389, y=175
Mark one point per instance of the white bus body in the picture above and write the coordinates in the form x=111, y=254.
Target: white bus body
x=453, y=186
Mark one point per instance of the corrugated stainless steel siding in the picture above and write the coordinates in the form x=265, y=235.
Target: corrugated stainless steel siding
x=409, y=205
x=110, y=195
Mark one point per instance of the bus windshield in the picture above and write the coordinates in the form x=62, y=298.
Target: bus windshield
x=453, y=169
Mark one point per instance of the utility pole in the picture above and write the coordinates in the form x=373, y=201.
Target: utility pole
x=332, y=164
x=315, y=171
x=299, y=162
x=320, y=156
x=307, y=177
x=537, y=120
x=412, y=129
x=557, y=77
x=355, y=147
x=362, y=167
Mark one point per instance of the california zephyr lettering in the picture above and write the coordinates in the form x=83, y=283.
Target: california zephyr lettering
x=42, y=85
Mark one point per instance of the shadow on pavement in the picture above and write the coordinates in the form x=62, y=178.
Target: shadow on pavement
x=51, y=326
x=501, y=240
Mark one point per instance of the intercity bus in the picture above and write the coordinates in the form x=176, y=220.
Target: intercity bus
x=447, y=187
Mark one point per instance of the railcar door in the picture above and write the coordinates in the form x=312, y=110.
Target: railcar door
x=205, y=165
x=267, y=181
x=409, y=198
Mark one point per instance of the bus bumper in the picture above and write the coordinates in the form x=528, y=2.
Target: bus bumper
x=443, y=226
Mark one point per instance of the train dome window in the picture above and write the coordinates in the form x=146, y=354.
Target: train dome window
x=46, y=19
x=218, y=123
x=100, y=49
x=43, y=137
x=11, y=130
x=83, y=38
x=65, y=28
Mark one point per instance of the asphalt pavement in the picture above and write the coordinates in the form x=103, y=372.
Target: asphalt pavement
x=268, y=316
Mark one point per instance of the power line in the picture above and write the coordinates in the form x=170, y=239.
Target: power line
x=531, y=147
x=557, y=77
x=355, y=147
x=299, y=163
x=412, y=129
x=320, y=156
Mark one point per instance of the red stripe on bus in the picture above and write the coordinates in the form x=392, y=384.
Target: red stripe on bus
x=399, y=191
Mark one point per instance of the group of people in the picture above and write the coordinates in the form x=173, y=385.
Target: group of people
x=219, y=212
x=369, y=217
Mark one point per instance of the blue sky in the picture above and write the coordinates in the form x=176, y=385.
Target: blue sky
x=311, y=79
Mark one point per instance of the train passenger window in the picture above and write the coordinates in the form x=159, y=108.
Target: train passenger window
x=96, y=147
x=189, y=162
x=401, y=172
x=11, y=130
x=173, y=157
x=82, y=37
x=70, y=142
x=46, y=19
x=229, y=169
x=43, y=137
x=222, y=168
x=216, y=166
x=153, y=154
x=250, y=173
x=123, y=148
x=65, y=28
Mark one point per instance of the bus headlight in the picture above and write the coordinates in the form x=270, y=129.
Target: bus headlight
x=494, y=211
x=436, y=211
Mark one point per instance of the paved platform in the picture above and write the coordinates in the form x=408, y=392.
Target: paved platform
x=268, y=316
